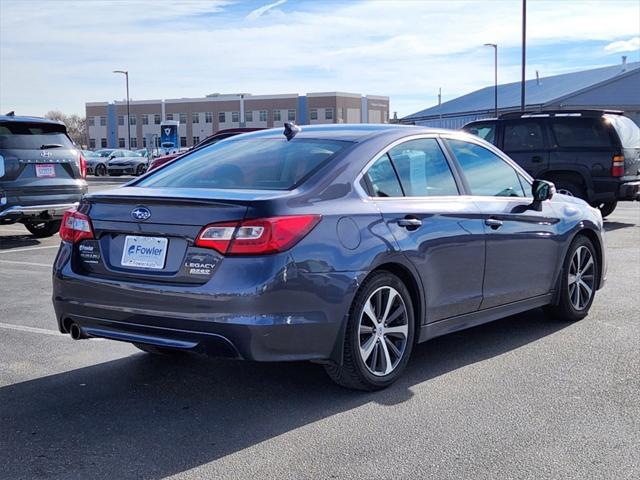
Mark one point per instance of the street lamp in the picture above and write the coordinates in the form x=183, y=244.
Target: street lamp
x=495, y=74
x=126, y=75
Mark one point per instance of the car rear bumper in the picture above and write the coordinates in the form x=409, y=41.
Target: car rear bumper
x=54, y=211
x=281, y=317
x=629, y=191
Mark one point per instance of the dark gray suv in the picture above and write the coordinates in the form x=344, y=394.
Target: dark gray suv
x=41, y=173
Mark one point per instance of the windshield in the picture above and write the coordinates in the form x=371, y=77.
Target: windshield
x=103, y=153
x=628, y=131
x=33, y=136
x=261, y=164
x=89, y=153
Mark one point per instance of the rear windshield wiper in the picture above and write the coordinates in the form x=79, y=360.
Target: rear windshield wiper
x=51, y=145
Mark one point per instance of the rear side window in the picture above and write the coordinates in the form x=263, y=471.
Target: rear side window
x=486, y=173
x=383, y=179
x=486, y=131
x=580, y=133
x=33, y=136
x=257, y=163
x=523, y=136
x=423, y=169
x=627, y=130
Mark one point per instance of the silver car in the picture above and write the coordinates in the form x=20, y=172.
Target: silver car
x=126, y=162
x=97, y=161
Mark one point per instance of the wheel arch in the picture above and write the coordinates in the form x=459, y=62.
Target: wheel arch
x=597, y=243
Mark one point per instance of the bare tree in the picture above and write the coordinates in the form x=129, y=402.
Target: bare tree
x=76, y=125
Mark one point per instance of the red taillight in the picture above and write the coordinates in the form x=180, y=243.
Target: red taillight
x=617, y=167
x=83, y=167
x=75, y=227
x=257, y=237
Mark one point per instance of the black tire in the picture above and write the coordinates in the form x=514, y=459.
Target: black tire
x=569, y=188
x=607, y=208
x=154, y=350
x=140, y=169
x=354, y=372
x=43, y=229
x=100, y=170
x=565, y=309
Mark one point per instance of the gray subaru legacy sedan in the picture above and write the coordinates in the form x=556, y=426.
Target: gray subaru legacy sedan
x=342, y=244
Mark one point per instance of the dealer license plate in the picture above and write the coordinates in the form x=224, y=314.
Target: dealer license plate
x=144, y=252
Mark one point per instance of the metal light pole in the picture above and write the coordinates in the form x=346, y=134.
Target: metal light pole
x=524, y=52
x=495, y=74
x=126, y=75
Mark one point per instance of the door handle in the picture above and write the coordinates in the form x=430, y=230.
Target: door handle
x=410, y=223
x=536, y=159
x=494, y=223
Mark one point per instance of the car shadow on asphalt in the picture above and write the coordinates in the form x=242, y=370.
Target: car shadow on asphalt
x=8, y=242
x=150, y=417
x=611, y=226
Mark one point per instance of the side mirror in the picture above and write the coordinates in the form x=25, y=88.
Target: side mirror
x=542, y=190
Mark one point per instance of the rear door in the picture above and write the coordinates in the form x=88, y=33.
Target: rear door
x=522, y=245
x=524, y=140
x=437, y=229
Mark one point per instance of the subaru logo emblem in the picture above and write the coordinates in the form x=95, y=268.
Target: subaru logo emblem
x=45, y=154
x=140, y=213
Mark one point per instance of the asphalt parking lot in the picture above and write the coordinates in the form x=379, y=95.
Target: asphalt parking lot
x=523, y=397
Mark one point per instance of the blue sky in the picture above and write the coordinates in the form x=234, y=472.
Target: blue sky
x=57, y=54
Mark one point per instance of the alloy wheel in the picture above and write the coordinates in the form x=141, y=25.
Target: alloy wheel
x=581, y=278
x=564, y=191
x=383, y=331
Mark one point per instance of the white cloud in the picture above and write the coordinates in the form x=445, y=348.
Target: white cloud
x=405, y=49
x=631, y=45
x=258, y=12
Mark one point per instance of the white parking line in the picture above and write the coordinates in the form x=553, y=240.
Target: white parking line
x=24, y=328
x=48, y=265
x=27, y=249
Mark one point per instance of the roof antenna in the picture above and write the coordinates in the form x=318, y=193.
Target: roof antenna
x=291, y=130
x=537, y=78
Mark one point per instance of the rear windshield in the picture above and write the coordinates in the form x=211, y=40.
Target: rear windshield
x=33, y=136
x=258, y=163
x=580, y=133
x=628, y=131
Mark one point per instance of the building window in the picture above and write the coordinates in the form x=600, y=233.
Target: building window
x=248, y=116
x=145, y=119
x=103, y=121
x=277, y=116
x=313, y=114
x=133, y=142
x=144, y=142
x=328, y=113
x=92, y=143
x=222, y=117
x=120, y=119
x=169, y=116
x=208, y=117
x=183, y=118
x=103, y=143
x=183, y=141
x=235, y=117
x=291, y=115
x=156, y=119
x=91, y=121
x=195, y=117
x=263, y=115
x=196, y=140
x=132, y=120
x=121, y=142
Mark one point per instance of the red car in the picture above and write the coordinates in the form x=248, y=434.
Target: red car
x=210, y=140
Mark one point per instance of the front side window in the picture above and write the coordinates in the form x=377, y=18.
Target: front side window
x=423, y=169
x=383, y=179
x=259, y=163
x=580, y=133
x=487, y=174
x=486, y=131
x=523, y=136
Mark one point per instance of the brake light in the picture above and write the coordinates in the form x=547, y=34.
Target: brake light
x=83, y=167
x=258, y=236
x=75, y=227
x=617, y=167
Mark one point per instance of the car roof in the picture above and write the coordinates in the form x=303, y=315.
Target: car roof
x=14, y=118
x=353, y=132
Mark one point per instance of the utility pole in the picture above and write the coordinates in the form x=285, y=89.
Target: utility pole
x=126, y=75
x=440, y=100
x=524, y=53
x=495, y=75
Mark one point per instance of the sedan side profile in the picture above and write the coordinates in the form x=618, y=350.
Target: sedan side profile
x=340, y=244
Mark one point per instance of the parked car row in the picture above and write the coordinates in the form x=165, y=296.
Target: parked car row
x=115, y=162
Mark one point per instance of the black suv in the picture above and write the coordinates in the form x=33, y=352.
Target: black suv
x=41, y=173
x=590, y=154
